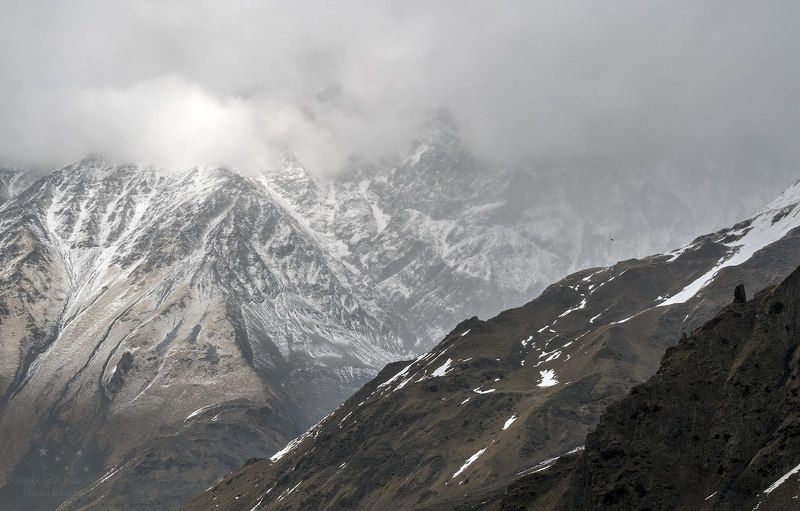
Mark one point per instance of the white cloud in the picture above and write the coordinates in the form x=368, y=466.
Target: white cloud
x=234, y=83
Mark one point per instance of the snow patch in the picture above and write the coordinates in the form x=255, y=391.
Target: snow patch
x=548, y=378
x=589, y=277
x=469, y=462
x=783, y=479
x=768, y=226
x=345, y=418
x=288, y=492
x=402, y=372
x=381, y=218
x=414, y=158
x=624, y=320
x=675, y=254
x=580, y=306
x=509, y=422
x=291, y=445
x=442, y=370
x=551, y=355
x=198, y=412
x=549, y=462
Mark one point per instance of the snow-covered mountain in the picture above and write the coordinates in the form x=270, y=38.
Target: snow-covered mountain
x=501, y=399
x=163, y=326
x=442, y=234
x=133, y=298
x=14, y=180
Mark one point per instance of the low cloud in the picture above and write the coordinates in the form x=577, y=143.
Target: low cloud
x=174, y=123
x=237, y=83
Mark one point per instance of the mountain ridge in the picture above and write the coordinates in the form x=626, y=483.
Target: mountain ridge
x=139, y=305
x=499, y=398
x=714, y=428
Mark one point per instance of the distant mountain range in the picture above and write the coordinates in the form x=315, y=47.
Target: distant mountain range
x=481, y=420
x=159, y=327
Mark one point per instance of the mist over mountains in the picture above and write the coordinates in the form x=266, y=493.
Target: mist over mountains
x=497, y=414
x=240, y=241
x=155, y=318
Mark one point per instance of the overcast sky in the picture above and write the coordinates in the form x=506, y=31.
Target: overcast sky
x=237, y=82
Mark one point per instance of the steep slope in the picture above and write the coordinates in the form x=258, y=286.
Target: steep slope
x=715, y=428
x=501, y=398
x=140, y=306
x=131, y=298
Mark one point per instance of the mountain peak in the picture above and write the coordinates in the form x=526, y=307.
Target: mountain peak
x=291, y=164
x=93, y=162
x=439, y=127
x=291, y=176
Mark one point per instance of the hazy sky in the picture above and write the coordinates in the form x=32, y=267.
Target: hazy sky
x=236, y=82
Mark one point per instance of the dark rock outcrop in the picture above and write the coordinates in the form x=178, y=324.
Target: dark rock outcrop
x=739, y=294
x=118, y=379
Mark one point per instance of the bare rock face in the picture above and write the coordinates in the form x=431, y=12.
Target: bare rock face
x=739, y=294
x=497, y=414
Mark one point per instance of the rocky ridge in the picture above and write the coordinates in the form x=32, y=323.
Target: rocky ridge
x=502, y=398
x=715, y=428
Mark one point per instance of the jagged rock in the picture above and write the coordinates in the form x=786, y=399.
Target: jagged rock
x=739, y=294
x=118, y=378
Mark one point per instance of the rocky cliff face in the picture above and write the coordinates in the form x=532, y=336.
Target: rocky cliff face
x=502, y=398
